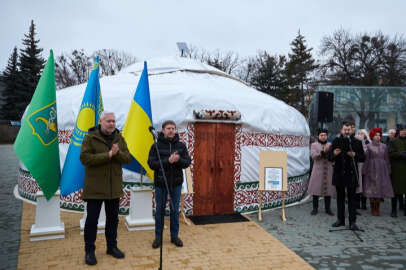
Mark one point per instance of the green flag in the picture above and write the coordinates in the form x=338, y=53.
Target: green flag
x=36, y=144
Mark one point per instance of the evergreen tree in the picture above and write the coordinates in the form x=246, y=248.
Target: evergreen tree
x=9, y=97
x=31, y=64
x=299, y=69
x=268, y=76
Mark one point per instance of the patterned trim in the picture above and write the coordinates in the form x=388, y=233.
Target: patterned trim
x=273, y=140
x=65, y=135
x=217, y=115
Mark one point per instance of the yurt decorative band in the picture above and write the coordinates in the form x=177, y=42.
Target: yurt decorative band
x=245, y=183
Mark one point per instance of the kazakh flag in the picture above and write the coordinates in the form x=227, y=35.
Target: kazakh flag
x=36, y=144
x=136, y=128
x=73, y=172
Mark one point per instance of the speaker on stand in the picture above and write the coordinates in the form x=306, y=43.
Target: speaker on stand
x=323, y=107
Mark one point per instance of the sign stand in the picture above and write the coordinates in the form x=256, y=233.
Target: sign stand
x=187, y=188
x=259, y=205
x=182, y=208
x=272, y=177
x=283, y=207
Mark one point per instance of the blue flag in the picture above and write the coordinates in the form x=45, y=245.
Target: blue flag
x=136, y=128
x=73, y=172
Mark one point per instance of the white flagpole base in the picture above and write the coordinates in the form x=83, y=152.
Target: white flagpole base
x=48, y=223
x=140, y=212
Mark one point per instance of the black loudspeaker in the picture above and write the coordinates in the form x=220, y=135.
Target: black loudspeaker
x=324, y=107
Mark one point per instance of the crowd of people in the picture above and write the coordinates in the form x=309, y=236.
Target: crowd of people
x=356, y=167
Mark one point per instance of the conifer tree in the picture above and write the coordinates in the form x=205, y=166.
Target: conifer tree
x=299, y=69
x=30, y=64
x=8, y=110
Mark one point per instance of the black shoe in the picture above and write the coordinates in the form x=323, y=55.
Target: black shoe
x=357, y=213
x=394, y=214
x=313, y=212
x=90, y=258
x=115, y=252
x=328, y=212
x=338, y=223
x=177, y=241
x=156, y=243
x=354, y=227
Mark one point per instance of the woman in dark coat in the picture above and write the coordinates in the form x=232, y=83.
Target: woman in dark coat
x=377, y=184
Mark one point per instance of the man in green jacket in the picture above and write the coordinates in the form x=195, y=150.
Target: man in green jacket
x=397, y=155
x=103, y=152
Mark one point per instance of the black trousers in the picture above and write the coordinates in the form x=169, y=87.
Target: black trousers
x=327, y=202
x=93, y=212
x=341, y=191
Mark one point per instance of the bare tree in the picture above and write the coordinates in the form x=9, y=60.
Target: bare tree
x=112, y=61
x=80, y=65
x=63, y=74
x=339, y=52
x=246, y=69
x=226, y=62
x=75, y=68
x=364, y=60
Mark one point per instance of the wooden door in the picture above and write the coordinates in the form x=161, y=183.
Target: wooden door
x=224, y=174
x=213, y=169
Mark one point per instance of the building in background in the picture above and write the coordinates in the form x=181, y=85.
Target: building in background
x=367, y=106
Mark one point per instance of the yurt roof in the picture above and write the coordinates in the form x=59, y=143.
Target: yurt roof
x=179, y=86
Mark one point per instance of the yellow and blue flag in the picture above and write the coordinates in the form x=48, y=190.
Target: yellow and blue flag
x=136, y=128
x=73, y=172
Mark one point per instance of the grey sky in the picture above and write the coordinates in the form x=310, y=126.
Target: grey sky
x=151, y=28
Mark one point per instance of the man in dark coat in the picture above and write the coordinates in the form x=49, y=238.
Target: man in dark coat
x=346, y=152
x=397, y=155
x=175, y=158
x=103, y=152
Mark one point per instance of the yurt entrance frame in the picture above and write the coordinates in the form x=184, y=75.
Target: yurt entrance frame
x=214, y=168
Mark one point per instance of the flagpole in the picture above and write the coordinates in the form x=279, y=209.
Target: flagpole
x=142, y=176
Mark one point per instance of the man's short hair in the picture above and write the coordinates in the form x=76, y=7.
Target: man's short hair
x=168, y=122
x=104, y=113
x=346, y=123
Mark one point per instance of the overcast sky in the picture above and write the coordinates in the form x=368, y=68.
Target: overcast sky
x=151, y=28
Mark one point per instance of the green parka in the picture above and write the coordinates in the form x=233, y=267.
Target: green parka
x=397, y=155
x=103, y=176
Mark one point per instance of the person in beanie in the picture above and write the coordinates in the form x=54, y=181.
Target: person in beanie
x=322, y=173
x=397, y=155
x=377, y=171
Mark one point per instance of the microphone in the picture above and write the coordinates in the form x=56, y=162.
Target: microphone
x=152, y=130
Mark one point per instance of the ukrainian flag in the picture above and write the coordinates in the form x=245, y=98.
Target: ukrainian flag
x=136, y=128
x=73, y=172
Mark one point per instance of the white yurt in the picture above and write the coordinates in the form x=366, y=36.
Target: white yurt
x=223, y=122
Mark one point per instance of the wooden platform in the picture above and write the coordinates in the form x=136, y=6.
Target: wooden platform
x=243, y=245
